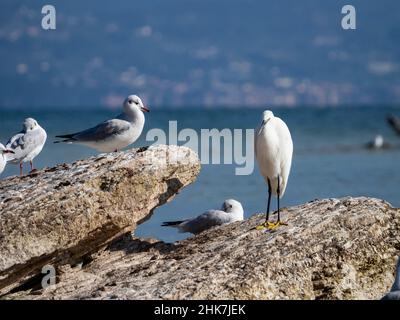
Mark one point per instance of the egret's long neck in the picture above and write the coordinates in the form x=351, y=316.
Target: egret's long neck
x=266, y=118
x=396, y=284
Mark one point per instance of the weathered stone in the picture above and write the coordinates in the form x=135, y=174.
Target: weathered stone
x=330, y=249
x=58, y=215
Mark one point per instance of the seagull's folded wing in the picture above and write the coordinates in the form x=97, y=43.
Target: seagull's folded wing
x=205, y=221
x=13, y=142
x=23, y=144
x=103, y=130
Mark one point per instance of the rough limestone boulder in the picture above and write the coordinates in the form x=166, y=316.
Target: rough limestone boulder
x=330, y=249
x=58, y=215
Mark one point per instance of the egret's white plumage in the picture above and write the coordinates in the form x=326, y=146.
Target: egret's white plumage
x=231, y=211
x=114, y=134
x=274, y=149
x=27, y=144
x=3, y=154
x=394, y=293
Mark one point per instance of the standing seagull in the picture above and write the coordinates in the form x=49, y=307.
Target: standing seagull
x=394, y=293
x=27, y=144
x=231, y=211
x=3, y=160
x=273, y=148
x=115, y=134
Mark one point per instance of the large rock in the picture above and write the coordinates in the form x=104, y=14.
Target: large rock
x=330, y=249
x=59, y=215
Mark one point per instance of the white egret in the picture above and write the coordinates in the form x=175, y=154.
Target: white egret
x=115, y=134
x=273, y=148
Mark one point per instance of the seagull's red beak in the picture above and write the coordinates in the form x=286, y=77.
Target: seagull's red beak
x=8, y=151
x=145, y=109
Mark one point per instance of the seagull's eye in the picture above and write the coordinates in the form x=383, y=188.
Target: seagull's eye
x=136, y=102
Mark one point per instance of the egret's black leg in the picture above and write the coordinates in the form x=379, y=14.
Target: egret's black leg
x=269, y=201
x=278, y=191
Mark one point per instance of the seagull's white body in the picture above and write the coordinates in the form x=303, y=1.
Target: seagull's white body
x=27, y=144
x=394, y=293
x=3, y=163
x=3, y=160
x=114, y=134
x=274, y=149
x=119, y=141
x=231, y=211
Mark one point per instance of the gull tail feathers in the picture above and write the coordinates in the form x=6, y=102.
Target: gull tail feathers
x=172, y=223
x=67, y=138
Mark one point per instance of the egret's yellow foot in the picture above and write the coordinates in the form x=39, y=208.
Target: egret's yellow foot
x=270, y=225
x=261, y=226
x=273, y=225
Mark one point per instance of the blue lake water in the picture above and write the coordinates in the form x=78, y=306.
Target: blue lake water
x=329, y=158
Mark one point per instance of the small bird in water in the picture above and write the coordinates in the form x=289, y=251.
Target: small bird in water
x=3, y=160
x=115, y=134
x=377, y=143
x=231, y=211
x=27, y=144
x=274, y=149
x=394, y=293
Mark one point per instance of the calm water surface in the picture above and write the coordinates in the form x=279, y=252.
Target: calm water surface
x=329, y=157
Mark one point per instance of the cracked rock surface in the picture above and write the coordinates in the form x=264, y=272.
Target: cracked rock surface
x=60, y=215
x=331, y=249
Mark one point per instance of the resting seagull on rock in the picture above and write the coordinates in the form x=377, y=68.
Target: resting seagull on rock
x=274, y=149
x=27, y=144
x=231, y=211
x=394, y=293
x=3, y=160
x=115, y=134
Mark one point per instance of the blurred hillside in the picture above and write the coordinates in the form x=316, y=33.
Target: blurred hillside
x=195, y=53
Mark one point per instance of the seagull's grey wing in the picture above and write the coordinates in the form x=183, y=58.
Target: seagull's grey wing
x=103, y=130
x=13, y=144
x=205, y=221
x=24, y=143
x=13, y=139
